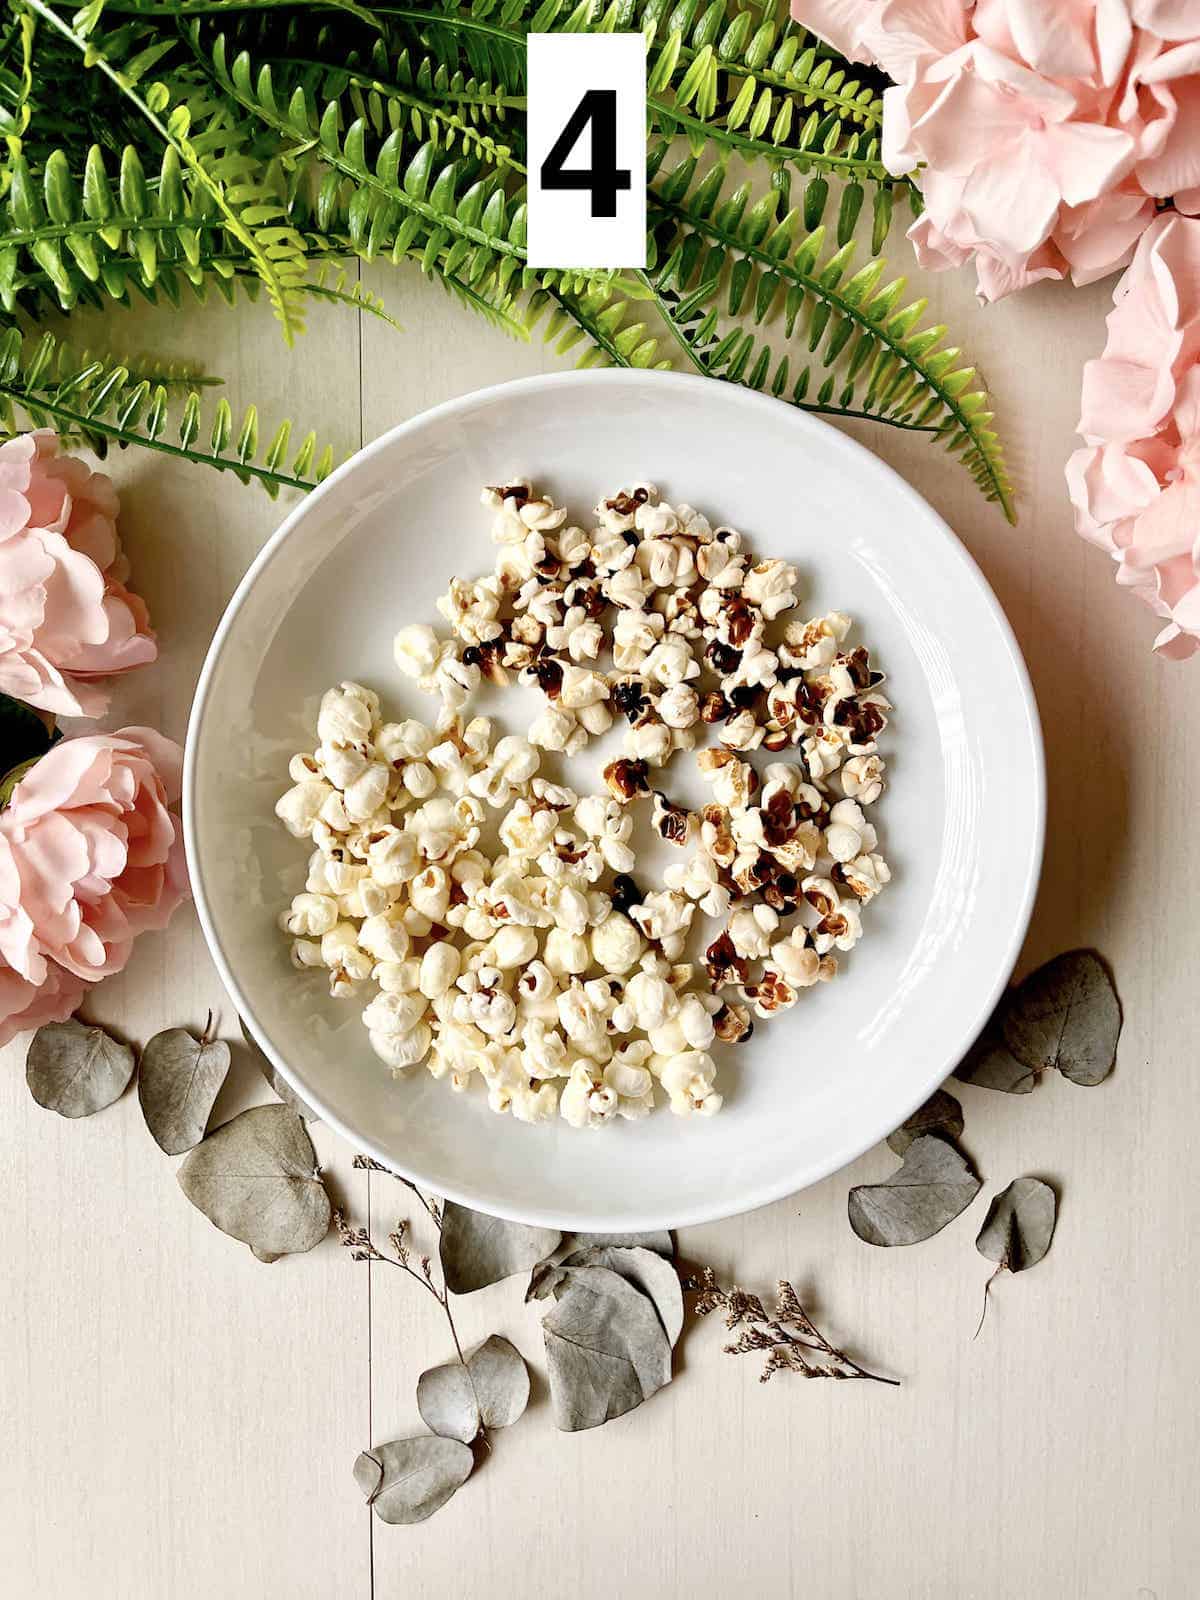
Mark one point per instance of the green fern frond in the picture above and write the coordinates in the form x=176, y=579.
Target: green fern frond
x=868, y=353
x=268, y=240
x=101, y=404
x=461, y=215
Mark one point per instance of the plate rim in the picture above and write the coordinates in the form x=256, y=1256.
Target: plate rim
x=703, y=388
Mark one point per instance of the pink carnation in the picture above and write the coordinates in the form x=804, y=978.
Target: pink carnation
x=1041, y=131
x=90, y=856
x=66, y=617
x=1136, y=485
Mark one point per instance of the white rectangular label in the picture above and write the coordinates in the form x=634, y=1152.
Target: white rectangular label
x=587, y=150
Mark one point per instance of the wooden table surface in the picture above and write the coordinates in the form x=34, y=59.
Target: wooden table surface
x=179, y=1421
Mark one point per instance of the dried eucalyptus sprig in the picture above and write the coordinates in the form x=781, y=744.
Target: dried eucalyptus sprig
x=788, y=1334
x=460, y=1401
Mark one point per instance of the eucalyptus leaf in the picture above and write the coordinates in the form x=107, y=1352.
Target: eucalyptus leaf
x=606, y=1350
x=448, y=1403
x=990, y=1064
x=179, y=1078
x=501, y=1381
x=490, y=1390
x=1066, y=1015
x=941, y=1113
x=279, y=1083
x=932, y=1187
x=409, y=1479
x=477, y=1250
x=75, y=1068
x=661, y=1241
x=645, y=1270
x=1019, y=1225
x=256, y=1179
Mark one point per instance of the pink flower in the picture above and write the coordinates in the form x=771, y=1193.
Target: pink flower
x=1136, y=484
x=1041, y=132
x=90, y=856
x=27, y=1005
x=66, y=617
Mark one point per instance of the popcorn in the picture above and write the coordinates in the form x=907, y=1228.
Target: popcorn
x=485, y=959
x=862, y=779
x=688, y=1079
x=617, y=944
x=417, y=651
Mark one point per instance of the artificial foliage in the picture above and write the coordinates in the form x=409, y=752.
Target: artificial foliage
x=169, y=149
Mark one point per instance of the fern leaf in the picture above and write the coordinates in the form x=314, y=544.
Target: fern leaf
x=103, y=403
x=869, y=355
x=274, y=252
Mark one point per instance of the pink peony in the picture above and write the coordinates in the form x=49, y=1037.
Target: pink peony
x=66, y=617
x=1042, y=131
x=90, y=856
x=27, y=1005
x=1136, y=485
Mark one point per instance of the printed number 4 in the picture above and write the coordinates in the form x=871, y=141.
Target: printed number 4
x=603, y=178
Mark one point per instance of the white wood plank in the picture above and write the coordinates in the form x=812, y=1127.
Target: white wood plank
x=178, y=1419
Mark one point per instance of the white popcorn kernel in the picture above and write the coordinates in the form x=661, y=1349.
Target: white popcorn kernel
x=814, y=644
x=419, y=780
x=688, y=1080
x=347, y=715
x=795, y=959
x=664, y=917
x=384, y=936
x=553, y=729
x=742, y=732
x=429, y=893
x=679, y=706
x=617, y=945
x=862, y=779
x=535, y=1105
x=512, y=947
x=537, y=982
x=310, y=915
x=544, y=1050
x=750, y=929
x=394, y=1013
x=397, y=977
x=566, y=953
x=648, y=1002
x=584, y=1101
x=849, y=833
x=368, y=792
x=402, y=1050
x=439, y=969
x=651, y=743
x=393, y=857
x=303, y=768
x=595, y=719
x=417, y=650
x=771, y=585
x=307, y=953
x=581, y=686
x=404, y=741
x=671, y=662
x=299, y=808
x=866, y=875
x=720, y=566
x=492, y=1010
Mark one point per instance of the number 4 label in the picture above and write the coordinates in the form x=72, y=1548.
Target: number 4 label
x=587, y=150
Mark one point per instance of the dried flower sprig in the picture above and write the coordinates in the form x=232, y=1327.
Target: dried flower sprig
x=362, y=1246
x=788, y=1335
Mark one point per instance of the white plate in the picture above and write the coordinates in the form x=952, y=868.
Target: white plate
x=961, y=821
